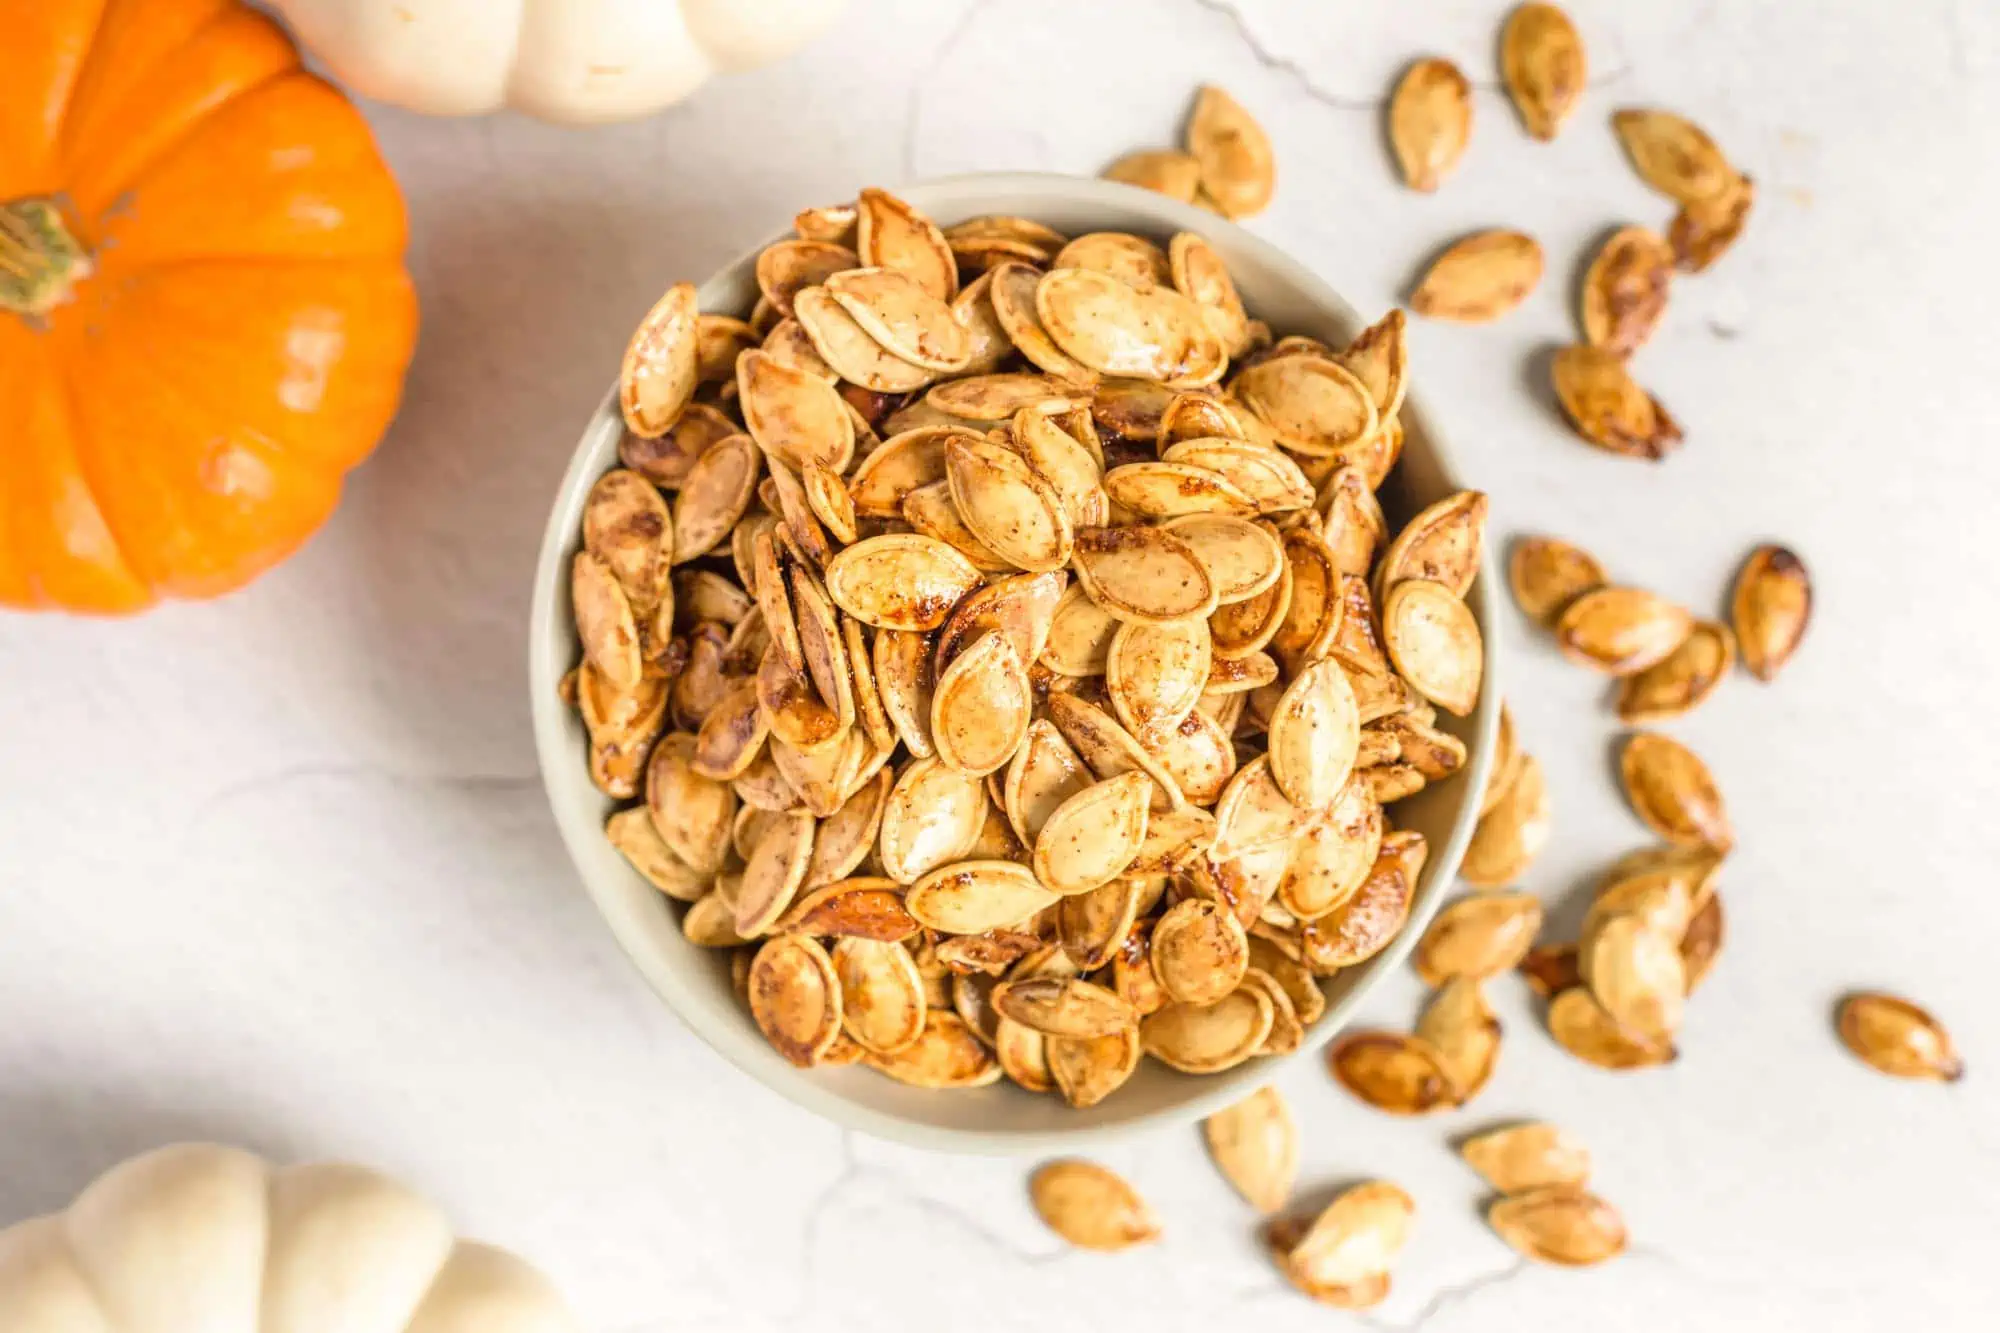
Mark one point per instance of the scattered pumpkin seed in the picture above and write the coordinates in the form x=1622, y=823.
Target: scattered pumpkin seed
x=1091, y=1206
x=1542, y=62
x=1430, y=122
x=1519, y=1158
x=1770, y=609
x=1897, y=1038
x=1479, y=278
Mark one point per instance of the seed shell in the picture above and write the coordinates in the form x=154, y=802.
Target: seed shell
x=1770, y=609
x=1092, y=1207
x=1430, y=122
x=1895, y=1037
x=1479, y=278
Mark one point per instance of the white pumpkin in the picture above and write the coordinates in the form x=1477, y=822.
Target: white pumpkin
x=569, y=60
x=202, y=1239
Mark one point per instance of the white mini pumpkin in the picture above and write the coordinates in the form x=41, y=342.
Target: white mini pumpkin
x=203, y=1239
x=569, y=60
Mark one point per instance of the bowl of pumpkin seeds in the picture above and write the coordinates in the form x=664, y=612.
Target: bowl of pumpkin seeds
x=1011, y=660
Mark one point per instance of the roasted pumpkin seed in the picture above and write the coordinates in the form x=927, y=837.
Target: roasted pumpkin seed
x=1478, y=936
x=1430, y=122
x=1464, y=1036
x=1625, y=290
x=982, y=706
x=661, y=366
x=1608, y=408
x=1161, y=170
x=889, y=233
x=1621, y=631
x=1390, y=1071
x=1582, y=1027
x=1208, y=1038
x=1546, y=574
x=1238, y=171
x=795, y=997
x=1670, y=789
x=1092, y=1207
x=1542, y=62
x=1770, y=609
x=1897, y=1038
x=1559, y=1224
x=1255, y=1144
x=1511, y=834
x=972, y=897
x=1532, y=1156
x=1479, y=278
x=1672, y=154
x=1093, y=836
x=1435, y=644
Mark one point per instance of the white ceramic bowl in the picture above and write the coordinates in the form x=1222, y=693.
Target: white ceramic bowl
x=695, y=981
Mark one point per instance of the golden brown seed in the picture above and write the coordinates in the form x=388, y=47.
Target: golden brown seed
x=1672, y=154
x=1543, y=65
x=1634, y=970
x=1559, y=1224
x=1625, y=290
x=1546, y=574
x=1671, y=789
x=1896, y=1037
x=795, y=997
x=1164, y=171
x=1479, y=278
x=1679, y=682
x=1391, y=1071
x=1621, y=630
x=1435, y=643
x=1255, y=1144
x=1238, y=171
x=1091, y=1206
x=1343, y=1258
x=1705, y=229
x=1526, y=1157
x=1608, y=408
x=1478, y=936
x=1464, y=1036
x=1702, y=941
x=1581, y=1027
x=1430, y=122
x=1770, y=609
x=1511, y=835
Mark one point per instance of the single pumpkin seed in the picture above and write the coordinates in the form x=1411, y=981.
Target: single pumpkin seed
x=1559, y=1224
x=1621, y=630
x=1480, y=277
x=1608, y=408
x=1092, y=1207
x=1007, y=504
x=1511, y=834
x=1093, y=836
x=1063, y=1007
x=1116, y=329
x=1770, y=609
x=1199, y=951
x=794, y=416
x=851, y=351
x=1625, y=290
x=882, y=1005
x=1255, y=1144
x=1390, y=1071
x=795, y=997
x=1208, y=1038
x=1430, y=122
x=982, y=705
x=946, y=1055
x=1671, y=789
x=932, y=818
x=1238, y=170
x=1896, y=1037
x=890, y=233
x=899, y=581
x=971, y=897
x=1143, y=574
x=1542, y=62
x=1313, y=735
x=1313, y=404
x=1704, y=229
x=1581, y=1026
x=1088, y=1071
x=1546, y=574
x=661, y=366
x=631, y=832
x=1672, y=154
x=1518, y=1158
x=1435, y=644
x=1679, y=682
x=903, y=679
x=1478, y=936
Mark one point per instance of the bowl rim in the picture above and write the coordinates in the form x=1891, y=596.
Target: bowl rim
x=678, y=988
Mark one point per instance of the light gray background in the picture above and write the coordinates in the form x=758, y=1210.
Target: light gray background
x=277, y=869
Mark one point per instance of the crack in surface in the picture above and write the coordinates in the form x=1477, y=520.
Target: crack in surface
x=1268, y=56
x=1445, y=1297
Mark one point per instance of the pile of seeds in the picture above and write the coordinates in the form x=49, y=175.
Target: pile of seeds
x=1011, y=650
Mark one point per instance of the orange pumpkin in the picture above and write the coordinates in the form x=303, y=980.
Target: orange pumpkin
x=204, y=315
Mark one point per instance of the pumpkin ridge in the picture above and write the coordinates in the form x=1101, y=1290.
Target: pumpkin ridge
x=98, y=178
x=86, y=470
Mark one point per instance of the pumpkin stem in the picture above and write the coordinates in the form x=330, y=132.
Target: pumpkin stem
x=40, y=261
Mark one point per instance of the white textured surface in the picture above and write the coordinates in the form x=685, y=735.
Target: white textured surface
x=277, y=870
